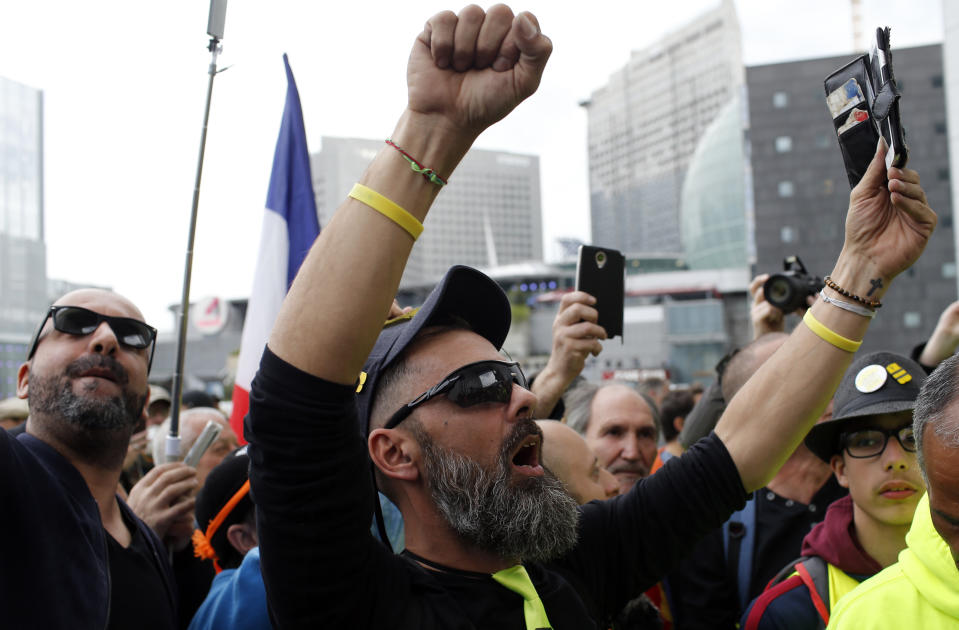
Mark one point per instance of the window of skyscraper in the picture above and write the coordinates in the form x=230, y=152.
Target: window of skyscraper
x=784, y=144
x=780, y=100
x=786, y=188
x=911, y=319
x=787, y=234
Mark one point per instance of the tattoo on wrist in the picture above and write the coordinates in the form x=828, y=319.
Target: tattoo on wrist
x=876, y=284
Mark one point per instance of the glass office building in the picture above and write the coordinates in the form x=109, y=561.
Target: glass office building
x=23, y=275
x=713, y=211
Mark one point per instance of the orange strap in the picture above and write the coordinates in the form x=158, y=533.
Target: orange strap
x=202, y=541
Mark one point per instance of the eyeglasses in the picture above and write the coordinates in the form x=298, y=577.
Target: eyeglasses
x=79, y=321
x=472, y=384
x=872, y=442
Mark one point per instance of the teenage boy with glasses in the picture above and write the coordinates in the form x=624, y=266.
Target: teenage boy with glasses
x=870, y=445
x=921, y=590
x=72, y=553
x=491, y=541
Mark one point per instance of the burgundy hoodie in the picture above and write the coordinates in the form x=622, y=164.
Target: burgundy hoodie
x=834, y=540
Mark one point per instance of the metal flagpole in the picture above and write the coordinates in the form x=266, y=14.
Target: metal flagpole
x=215, y=31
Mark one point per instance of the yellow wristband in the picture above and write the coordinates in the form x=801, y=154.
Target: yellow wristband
x=387, y=208
x=829, y=336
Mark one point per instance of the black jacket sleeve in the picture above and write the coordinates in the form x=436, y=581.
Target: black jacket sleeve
x=630, y=542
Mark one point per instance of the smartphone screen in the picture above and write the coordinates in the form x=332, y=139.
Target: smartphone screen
x=600, y=271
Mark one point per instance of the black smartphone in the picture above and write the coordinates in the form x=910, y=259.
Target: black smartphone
x=600, y=271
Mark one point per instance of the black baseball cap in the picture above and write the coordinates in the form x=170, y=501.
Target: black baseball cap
x=877, y=383
x=464, y=294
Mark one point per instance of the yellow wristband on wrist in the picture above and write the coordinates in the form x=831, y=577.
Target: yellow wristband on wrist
x=387, y=208
x=829, y=336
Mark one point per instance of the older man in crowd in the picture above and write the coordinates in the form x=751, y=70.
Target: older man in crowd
x=567, y=454
x=619, y=424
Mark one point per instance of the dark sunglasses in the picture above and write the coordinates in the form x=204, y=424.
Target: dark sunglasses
x=872, y=441
x=79, y=321
x=472, y=384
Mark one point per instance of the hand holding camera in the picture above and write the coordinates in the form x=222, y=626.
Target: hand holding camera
x=790, y=290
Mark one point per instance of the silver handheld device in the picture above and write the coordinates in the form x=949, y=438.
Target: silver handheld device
x=209, y=435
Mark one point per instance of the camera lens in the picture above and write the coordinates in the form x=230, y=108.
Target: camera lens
x=781, y=291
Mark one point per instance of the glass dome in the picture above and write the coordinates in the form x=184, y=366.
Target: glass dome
x=713, y=204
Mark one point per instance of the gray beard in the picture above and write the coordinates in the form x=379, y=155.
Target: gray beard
x=532, y=521
x=97, y=430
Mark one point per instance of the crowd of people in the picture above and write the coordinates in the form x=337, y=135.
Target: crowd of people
x=408, y=475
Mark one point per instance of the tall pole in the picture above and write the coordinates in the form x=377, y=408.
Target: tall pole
x=173, y=439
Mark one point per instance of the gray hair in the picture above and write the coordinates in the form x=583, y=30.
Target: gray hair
x=939, y=392
x=579, y=404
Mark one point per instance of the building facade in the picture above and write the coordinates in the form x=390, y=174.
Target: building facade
x=645, y=123
x=950, y=62
x=23, y=266
x=801, y=193
x=489, y=215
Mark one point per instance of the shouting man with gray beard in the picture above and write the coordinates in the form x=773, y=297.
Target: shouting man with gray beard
x=492, y=541
x=73, y=553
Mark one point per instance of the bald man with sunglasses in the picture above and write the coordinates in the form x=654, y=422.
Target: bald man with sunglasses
x=492, y=539
x=72, y=553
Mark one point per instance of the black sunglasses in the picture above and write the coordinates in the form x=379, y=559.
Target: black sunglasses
x=79, y=321
x=472, y=384
x=872, y=441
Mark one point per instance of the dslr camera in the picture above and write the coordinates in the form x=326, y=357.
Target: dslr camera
x=788, y=290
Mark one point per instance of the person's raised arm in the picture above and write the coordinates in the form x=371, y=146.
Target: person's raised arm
x=887, y=227
x=465, y=73
x=945, y=338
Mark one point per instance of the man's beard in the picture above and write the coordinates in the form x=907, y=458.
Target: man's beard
x=95, y=428
x=533, y=520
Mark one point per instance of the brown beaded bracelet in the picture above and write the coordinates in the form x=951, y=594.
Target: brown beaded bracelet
x=838, y=289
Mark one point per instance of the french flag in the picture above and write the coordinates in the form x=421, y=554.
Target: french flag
x=290, y=226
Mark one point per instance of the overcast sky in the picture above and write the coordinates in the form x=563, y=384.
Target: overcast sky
x=124, y=85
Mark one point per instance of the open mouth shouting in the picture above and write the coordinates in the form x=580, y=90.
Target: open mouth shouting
x=526, y=458
x=524, y=449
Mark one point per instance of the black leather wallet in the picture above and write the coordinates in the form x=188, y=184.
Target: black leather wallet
x=863, y=100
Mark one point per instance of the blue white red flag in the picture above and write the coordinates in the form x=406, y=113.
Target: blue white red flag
x=290, y=226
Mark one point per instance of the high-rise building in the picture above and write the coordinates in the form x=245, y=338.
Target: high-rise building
x=23, y=266
x=950, y=62
x=488, y=215
x=645, y=124
x=801, y=193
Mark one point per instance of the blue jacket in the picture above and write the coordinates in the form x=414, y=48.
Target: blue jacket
x=237, y=599
x=54, y=563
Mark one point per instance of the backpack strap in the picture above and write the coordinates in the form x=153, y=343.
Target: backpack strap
x=814, y=574
x=739, y=538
